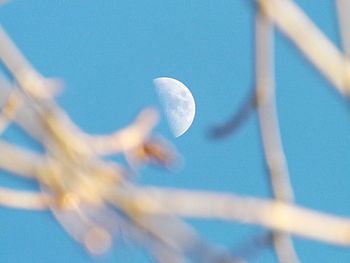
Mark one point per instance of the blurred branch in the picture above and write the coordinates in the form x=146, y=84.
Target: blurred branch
x=343, y=7
x=276, y=215
x=9, y=110
x=18, y=160
x=316, y=47
x=236, y=121
x=24, y=73
x=250, y=248
x=128, y=138
x=269, y=129
x=22, y=199
x=265, y=93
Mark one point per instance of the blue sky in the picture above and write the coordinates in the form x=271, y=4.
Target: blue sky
x=108, y=53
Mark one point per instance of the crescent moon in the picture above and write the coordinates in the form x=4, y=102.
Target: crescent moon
x=178, y=104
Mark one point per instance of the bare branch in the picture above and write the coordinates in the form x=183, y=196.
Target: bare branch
x=275, y=215
x=22, y=199
x=343, y=7
x=18, y=160
x=265, y=90
x=269, y=129
x=316, y=47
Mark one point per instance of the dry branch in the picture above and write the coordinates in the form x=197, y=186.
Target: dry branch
x=316, y=47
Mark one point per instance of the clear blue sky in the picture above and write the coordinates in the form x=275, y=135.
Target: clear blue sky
x=108, y=53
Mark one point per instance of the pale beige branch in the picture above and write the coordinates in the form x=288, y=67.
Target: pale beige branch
x=12, y=57
x=18, y=160
x=269, y=129
x=128, y=138
x=268, y=119
x=343, y=9
x=123, y=140
x=275, y=215
x=9, y=109
x=24, y=73
x=22, y=199
x=316, y=47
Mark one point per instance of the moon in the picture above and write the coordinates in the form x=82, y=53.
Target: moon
x=178, y=104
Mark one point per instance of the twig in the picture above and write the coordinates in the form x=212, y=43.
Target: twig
x=236, y=121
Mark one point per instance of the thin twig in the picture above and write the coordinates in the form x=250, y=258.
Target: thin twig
x=236, y=121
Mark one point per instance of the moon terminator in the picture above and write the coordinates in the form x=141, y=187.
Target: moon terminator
x=178, y=103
